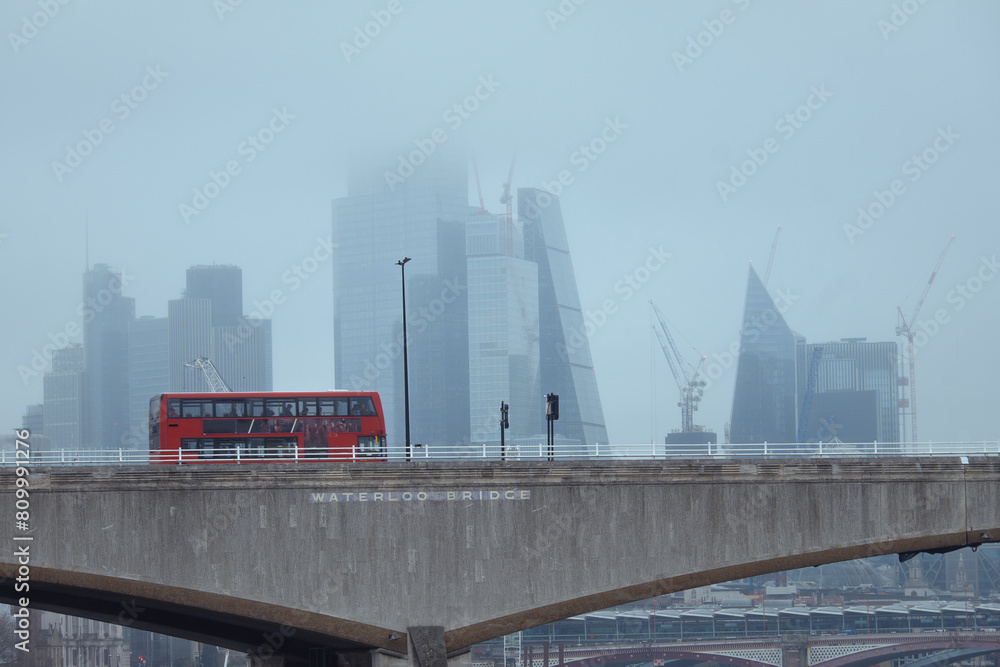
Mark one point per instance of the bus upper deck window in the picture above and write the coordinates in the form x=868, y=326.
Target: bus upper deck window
x=362, y=406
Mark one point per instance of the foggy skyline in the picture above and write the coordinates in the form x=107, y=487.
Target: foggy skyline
x=664, y=145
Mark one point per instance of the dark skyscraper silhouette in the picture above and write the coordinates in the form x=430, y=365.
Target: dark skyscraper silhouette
x=223, y=286
x=106, y=317
x=764, y=400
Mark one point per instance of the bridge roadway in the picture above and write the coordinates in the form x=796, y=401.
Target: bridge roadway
x=419, y=561
x=784, y=651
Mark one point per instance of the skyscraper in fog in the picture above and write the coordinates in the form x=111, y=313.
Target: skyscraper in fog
x=855, y=395
x=764, y=398
x=490, y=309
x=222, y=286
x=149, y=373
x=374, y=227
x=62, y=391
x=566, y=367
x=205, y=322
x=106, y=316
x=853, y=398
x=208, y=322
x=503, y=330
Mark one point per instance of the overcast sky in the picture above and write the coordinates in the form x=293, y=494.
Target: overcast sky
x=830, y=100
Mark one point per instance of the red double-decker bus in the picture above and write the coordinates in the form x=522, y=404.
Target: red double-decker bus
x=246, y=427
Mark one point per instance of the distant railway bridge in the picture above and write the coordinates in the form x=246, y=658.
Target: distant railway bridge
x=937, y=648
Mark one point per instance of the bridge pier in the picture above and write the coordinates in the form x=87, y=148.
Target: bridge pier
x=426, y=649
x=794, y=650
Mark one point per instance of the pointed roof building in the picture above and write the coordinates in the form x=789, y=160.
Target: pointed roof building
x=764, y=396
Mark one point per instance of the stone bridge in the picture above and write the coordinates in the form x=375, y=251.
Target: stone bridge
x=381, y=562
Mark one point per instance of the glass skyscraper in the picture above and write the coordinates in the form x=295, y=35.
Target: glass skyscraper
x=222, y=285
x=503, y=332
x=490, y=304
x=375, y=226
x=207, y=322
x=149, y=373
x=566, y=367
x=764, y=399
x=106, y=316
x=854, y=372
x=62, y=397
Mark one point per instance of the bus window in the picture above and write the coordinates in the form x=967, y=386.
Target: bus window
x=306, y=407
x=362, y=406
x=274, y=407
x=256, y=407
x=173, y=408
x=230, y=409
x=327, y=407
x=192, y=409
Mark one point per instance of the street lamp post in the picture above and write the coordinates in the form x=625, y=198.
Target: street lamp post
x=406, y=371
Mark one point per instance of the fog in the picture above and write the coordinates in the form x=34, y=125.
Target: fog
x=731, y=118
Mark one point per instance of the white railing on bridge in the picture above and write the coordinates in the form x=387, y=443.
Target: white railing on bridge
x=562, y=452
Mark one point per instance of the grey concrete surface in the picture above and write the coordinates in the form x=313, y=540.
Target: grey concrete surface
x=490, y=549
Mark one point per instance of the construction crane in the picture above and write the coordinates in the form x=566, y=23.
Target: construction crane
x=904, y=328
x=506, y=198
x=482, y=203
x=215, y=381
x=691, y=385
x=770, y=260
